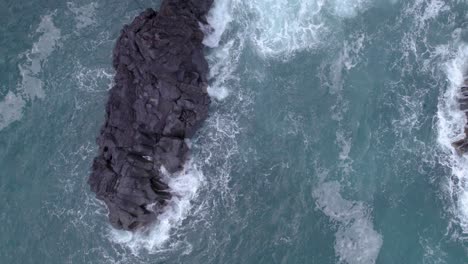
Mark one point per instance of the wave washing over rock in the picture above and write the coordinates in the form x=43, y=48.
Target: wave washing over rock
x=462, y=145
x=159, y=99
x=453, y=133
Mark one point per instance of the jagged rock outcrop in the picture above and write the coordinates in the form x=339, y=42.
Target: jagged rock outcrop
x=159, y=99
x=462, y=145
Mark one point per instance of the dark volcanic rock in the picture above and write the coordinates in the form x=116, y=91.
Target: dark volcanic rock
x=462, y=145
x=158, y=100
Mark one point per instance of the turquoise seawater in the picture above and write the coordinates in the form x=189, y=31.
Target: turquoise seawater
x=328, y=139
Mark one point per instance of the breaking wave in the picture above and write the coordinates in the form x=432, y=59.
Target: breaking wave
x=281, y=28
x=184, y=187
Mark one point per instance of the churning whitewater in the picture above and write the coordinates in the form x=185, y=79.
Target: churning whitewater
x=451, y=127
x=328, y=139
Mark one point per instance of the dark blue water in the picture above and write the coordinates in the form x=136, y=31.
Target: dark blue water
x=328, y=139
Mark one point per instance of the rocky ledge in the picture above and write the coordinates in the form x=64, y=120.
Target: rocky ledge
x=159, y=99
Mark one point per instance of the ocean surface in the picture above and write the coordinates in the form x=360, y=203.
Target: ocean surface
x=328, y=139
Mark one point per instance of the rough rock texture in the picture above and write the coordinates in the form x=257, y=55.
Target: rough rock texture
x=462, y=145
x=158, y=100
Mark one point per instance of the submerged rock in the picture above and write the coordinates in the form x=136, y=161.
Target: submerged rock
x=159, y=99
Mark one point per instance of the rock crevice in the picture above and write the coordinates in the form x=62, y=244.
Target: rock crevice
x=159, y=99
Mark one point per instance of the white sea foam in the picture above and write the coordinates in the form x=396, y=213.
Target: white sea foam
x=333, y=79
x=11, y=109
x=219, y=17
x=85, y=15
x=218, y=93
x=349, y=56
x=352, y=49
x=184, y=187
x=276, y=29
x=31, y=86
x=433, y=9
x=349, y=8
x=345, y=142
x=433, y=253
x=220, y=146
x=93, y=79
x=426, y=10
x=223, y=61
x=281, y=27
x=450, y=125
x=356, y=240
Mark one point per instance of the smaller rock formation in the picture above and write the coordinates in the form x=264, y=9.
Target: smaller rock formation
x=461, y=146
x=159, y=99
